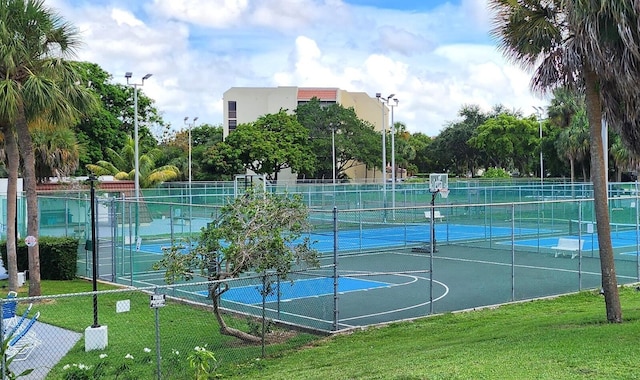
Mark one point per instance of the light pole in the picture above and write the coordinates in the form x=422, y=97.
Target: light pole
x=393, y=158
x=94, y=251
x=136, y=153
x=384, y=150
x=190, y=125
x=333, y=150
x=539, y=112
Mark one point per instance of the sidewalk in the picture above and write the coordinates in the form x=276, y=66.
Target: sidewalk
x=56, y=342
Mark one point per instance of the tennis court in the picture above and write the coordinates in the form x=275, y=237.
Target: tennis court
x=382, y=236
x=487, y=254
x=381, y=287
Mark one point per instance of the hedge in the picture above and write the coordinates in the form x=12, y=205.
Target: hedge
x=58, y=257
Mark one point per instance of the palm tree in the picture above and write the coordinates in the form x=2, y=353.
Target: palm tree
x=592, y=46
x=564, y=105
x=36, y=83
x=624, y=159
x=12, y=162
x=122, y=164
x=58, y=151
x=573, y=142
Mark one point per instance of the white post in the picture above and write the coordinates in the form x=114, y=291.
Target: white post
x=539, y=111
x=393, y=160
x=333, y=151
x=136, y=163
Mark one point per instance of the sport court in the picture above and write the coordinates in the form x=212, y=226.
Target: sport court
x=392, y=281
x=486, y=254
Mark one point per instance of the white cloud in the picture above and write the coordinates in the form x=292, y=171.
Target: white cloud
x=435, y=62
x=212, y=13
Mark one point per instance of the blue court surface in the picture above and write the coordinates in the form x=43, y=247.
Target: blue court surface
x=299, y=289
x=389, y=236
x=401, y=235
x=590, y=242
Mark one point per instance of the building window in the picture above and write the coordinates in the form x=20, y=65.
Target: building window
x=232, y=125
x=232, y=109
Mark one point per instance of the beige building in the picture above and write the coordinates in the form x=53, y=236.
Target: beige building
x=247, y=104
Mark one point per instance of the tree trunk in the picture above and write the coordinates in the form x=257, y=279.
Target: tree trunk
x=573, y=175
x=224, y=329
x=13, y=165
x=29, y=173
x=573, y=169
x=600, y=194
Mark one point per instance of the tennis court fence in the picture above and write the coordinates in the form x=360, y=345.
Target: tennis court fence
x=378, y=264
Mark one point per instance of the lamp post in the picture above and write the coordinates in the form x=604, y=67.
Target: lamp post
x=333, y=150
x=384, y=150
x=539, y=112
x=136, y=168
x=393, y=159
x=94, y=253
x=190, y=125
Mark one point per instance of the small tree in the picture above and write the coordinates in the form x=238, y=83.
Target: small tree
x=261, y=233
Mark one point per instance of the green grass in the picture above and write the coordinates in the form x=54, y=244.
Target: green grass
x=182, y=328
x=564, y=338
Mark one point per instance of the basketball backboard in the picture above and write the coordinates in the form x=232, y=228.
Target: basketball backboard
x=438, y=181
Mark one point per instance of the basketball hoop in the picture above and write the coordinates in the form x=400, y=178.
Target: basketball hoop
x=444, y=193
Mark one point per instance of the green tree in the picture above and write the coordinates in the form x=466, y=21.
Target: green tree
x=422, y=162
x=592, y=46
x=57, y=151
x=176, y=150
x=220, y=162
x=122, y=166
x=109, y=125
x=450, y=147
x=356, y=141
x=624, y=159
x=573, y=141
x=405, y=152
x=508, y=141
x=261, y=232
x=272, y=143
x=37, y=82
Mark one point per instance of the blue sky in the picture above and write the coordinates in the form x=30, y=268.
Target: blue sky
x=435, y=55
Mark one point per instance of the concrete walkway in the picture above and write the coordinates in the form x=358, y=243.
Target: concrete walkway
x=56, y=342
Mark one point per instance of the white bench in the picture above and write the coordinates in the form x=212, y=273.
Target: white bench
x=436, y=215
x=568, y=245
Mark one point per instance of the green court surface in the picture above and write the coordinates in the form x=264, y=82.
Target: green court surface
x=381, y=287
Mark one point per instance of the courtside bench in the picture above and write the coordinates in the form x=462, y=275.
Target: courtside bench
x=568, y=245
x=436, y=215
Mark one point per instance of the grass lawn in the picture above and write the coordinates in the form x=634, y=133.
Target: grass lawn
x=563, y=338
x=182, y=328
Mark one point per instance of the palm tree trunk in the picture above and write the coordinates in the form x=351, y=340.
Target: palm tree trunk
x=573, y=175
x=13, y=164
x=600, y=194
x=29, y=173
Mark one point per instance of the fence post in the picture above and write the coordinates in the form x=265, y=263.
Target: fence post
x=637, y=236
x=157, y=321
x=334, y=327
x=2, y=338
x=513, y=252
x=264, y=307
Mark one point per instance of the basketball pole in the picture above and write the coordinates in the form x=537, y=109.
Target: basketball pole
x=433, y=220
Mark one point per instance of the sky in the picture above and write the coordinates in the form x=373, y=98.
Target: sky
x=436, y=56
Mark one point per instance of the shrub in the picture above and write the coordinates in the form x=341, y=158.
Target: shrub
x=496, y=173
x=58, y=257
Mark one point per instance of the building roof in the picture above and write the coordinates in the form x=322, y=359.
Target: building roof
x=324, y=94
